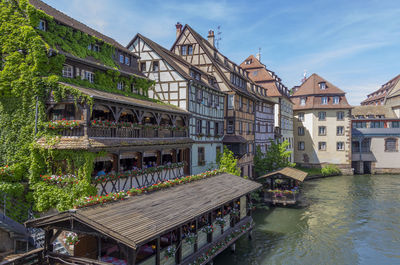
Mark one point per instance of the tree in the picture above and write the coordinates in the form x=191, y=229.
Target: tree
x=276, y=157
x=228, y=162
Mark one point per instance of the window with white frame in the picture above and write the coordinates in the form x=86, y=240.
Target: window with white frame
x=184, y=50
x=340, y=146
x=300, y=145
x=155, y=66
x=391, y=145
x=340, y=115
x=199, y=128
x=121, y=58
x=321, y=130
x=324, y=100
x=42, y=25
x=240, y=127
x=322, y=146
x=127, y=60
x=339, y=130
x=230, y=126
x=301, y=116
x=321, y=115
x=199, y=95
x=336, y=100
x=230, y=101
x=89, y=76
x=190, y=50
x=120, y=86
x=322, y=85
x=300, y=131
x=68, y=71
x=133, y=88
x=302, y=101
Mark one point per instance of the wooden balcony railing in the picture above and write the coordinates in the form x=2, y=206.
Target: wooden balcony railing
x=140, y=180
x=33, y=257
x=78, y=131
x=111, y=132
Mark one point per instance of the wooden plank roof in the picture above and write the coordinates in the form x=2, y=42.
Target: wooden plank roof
x=137, y=220
x=288, y=172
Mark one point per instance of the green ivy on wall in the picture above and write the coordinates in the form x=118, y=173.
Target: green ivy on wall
x=29, y=71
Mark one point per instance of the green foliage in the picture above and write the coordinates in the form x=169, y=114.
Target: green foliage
x=312, y=171
x=228, y=163
x=276, y=157
x=330, y=170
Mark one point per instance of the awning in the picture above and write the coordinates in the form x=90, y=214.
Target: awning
x=137, y=220
x=231, y=139
x=288, y=172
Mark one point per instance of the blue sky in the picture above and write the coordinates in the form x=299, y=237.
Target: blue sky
x=355, y=44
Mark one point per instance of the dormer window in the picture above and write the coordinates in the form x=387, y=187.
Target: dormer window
x=89, y=76
x=302, y=101
x=184, y=50
x=42, y=25
x=121, y=58
x=336, y=100
x=67, y=71
x=120, y=86
x=195, y=75
x=190, y=49
x=248, y=62
x=155, y=66
x=324, y=100
x=127, y=60
x=94, y=47
x=322, y=85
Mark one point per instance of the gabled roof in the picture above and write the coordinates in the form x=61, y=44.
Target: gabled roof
x=311, y=87
x=289, y=172
x=172, y=59
x=375, y=110
x=259, y=73
x=136, y=220
x=383, y=91
x=206, y=46
x=68, y=21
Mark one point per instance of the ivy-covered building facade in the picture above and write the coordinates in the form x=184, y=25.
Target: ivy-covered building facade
x=94, y=123
x=189, y=88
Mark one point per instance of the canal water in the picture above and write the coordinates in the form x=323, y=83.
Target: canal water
x=345, y=220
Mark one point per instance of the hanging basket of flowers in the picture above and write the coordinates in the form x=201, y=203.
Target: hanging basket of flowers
x=191, y=238
x=221, y=221
x=170, y=252
x=71, y=239
x=208, y=229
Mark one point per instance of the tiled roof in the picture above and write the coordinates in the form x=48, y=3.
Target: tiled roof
x=68, y=21
x=311, y=92
x=381, y=93
x=373, y=110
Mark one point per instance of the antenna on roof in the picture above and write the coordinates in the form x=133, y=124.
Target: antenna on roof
x=304, y=76
x=258, y=56
x=219, y=37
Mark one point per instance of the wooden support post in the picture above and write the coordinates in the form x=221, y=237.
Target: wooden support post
x=174, y=158
x=196, y=230
x=48, y=234
x=158, y=249
x=131, y=254
x=158, y=158
x=210, y=221
x=99, y=248
x=54, y=237
x=178, y=254
x=140, y=160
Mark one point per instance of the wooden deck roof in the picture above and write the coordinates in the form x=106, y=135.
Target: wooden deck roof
x=288, y=172
x=137, y=220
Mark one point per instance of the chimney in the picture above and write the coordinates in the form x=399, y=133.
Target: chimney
x=211, y=37
x=178, y=29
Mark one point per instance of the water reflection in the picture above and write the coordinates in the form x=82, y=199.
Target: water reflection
x=346, y=220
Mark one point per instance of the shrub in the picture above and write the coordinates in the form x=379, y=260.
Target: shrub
x=330, y=170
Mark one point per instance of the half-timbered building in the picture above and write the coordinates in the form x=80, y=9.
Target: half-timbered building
x=186, y=86
x=242, y=94
x=134, y=131
x=283, y=109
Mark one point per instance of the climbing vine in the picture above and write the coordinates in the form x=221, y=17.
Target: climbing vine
x=31, y=63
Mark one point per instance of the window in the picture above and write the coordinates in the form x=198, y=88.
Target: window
x=120, y=86
x=155, y=66
x=395, y=124
x=248, y=128
x=391, y=145
x=199, y=128
x=340, y=115
x=300, y=146
x=218, y=128
x=359, y=124
x=208, y=127
x=230, y=101
x=230, y=127
x=301, y=116
x=322, y=85
x=199, y=95
x=321, y=130
x=42, y=25
x=200, y=156
x=336, y=100
x=143, y=66
x=195, y=75
x=255, y=73
x=321, y=115
x=183, y=50
x=121, y=58
x=89, y=76
x=339, y=130
x=127, y=60
x=67, y=71
x=94, y=47
x=133, y=88
x=340, y=146
x=302, y=101
x=190, y=50
x=248, y=62
x=322, y=146
x=240, y=127
x=324, y=100
x=300, y=131
x=240, y=102
x=377, y=124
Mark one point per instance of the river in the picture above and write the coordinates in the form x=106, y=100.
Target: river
x=346, y=220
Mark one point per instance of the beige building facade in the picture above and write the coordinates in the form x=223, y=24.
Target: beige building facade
x=322, y=129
